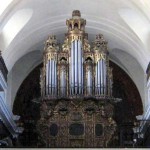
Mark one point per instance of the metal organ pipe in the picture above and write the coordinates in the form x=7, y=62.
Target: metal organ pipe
x=82, y=75
x=76, y=65
x=63, y=81
x=52, y=79
x=72, y=69
x=47, y=78
x=79, y=67
x=101, y=76
x=49, y=81
x=98, y=78
x=89, y=82
x=110, y=87
x=104, y=62
x=55, y=78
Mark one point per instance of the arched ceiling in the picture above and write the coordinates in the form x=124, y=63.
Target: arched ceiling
x=26, y=24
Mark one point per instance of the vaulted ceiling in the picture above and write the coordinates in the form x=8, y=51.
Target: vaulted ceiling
x=26, y=24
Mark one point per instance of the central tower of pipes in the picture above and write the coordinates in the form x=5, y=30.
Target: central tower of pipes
x=76, y=70
x=76, y=35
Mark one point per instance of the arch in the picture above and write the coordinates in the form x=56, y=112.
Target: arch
x=19, y=73
x=4, y=5
x=70, y=26
x=143, y=24
x=88, y=59
x=14, y=26
x=63, y=59
x=132, y=67
x=82, y=27
x=76, y=25
x=122, y=39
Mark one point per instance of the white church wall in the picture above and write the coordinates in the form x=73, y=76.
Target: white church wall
x=134, y=70
x=19, y=72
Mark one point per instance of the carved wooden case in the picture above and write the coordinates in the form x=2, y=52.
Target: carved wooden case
x=76, y=123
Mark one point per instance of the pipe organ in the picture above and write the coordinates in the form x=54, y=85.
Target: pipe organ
x=76, y=69
x=76, y=88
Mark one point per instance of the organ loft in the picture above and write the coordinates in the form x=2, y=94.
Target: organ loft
x=76, y=90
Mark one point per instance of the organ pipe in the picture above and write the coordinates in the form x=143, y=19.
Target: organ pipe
x=89, y=80
x=104, y=69
x=47, y=76
x=101, y=76
x=63, y=81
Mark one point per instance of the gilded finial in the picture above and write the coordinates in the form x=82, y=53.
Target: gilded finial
x=51, y=43
x=76, y=24
x=100, y=43
x=76, y=13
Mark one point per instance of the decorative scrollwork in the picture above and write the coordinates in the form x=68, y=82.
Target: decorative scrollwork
x=90, y=115
x=76, y=89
